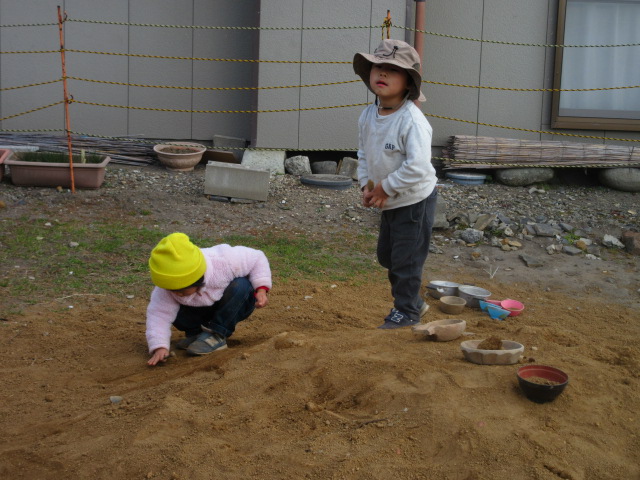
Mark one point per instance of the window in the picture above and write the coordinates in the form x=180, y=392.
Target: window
x=597, y=22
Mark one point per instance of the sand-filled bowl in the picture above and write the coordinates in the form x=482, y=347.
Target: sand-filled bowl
x=440, y=330
x=514, y=306
x=508, y=355
x=542, y=383
x=452, y=305
x=473, y=294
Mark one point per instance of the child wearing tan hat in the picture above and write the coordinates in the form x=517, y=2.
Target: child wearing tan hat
x=395, y=172
x=202, y=292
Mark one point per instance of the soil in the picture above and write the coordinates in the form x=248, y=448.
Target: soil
x=309, y=387
x=491, y=343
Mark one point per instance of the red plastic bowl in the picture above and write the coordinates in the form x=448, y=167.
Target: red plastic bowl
x=537, y=392
x=514, y=306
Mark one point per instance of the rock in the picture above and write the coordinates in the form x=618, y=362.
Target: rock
x=571, y=250
x=484, y=221
x=348, y=167
x=625, y=179
x=298, y=165
x=324, y=167
x=566, y=227
x=471, y=235
x=2, y=204
x=115, y=399
x=631, y=241
x=531, y=261
x=581, y=245
x=520, y=177
x=73, y=244
x=545, y=230
x=440, y=220
x=611, y=241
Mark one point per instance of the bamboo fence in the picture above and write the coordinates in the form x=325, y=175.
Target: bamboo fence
x=465, y=151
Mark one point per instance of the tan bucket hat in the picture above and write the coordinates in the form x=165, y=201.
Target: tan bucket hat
x=394, y=52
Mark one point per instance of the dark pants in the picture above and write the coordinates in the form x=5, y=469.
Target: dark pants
x=237, y=303
x=403, y=246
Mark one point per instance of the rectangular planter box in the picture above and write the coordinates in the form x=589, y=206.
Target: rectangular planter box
x=4, y=154
x=42, y=174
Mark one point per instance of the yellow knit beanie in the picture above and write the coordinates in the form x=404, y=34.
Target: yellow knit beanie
x=176, y=263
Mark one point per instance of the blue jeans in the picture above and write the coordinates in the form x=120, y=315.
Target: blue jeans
x=237, y=303
x=403, y=246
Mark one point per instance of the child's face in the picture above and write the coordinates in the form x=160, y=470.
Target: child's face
x=388, y=82
x=185, y=292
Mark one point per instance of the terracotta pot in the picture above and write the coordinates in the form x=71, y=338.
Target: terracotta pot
x=46, y=174
x=180, y=156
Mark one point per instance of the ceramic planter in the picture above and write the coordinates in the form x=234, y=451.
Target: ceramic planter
x=46, y=174
x=180, y=156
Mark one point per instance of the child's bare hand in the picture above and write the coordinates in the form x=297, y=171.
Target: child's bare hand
x=376, y=197
x=159, y=355
x=261, y=298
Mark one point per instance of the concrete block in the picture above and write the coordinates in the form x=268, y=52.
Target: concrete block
x=272, y=160
x=235, y=144
x=236, y=181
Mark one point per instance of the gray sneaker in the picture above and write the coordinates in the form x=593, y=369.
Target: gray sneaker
x=206, y=343
x=184, y=343
x=424, y=309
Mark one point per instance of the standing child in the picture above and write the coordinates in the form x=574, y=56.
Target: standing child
x=202, y=292
x=395, y=172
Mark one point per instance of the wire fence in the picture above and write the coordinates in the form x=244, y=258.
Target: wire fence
x=107, y=105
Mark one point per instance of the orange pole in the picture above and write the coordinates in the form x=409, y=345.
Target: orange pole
x=67, y=124
x=418, y=40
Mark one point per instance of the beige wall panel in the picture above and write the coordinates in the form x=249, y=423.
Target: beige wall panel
x=333, y=128
x=512, y=66
x=233, y=44
x=451, y=60
x=23, y=69
x=275, y=130
x=165, y=42
x=96, y=120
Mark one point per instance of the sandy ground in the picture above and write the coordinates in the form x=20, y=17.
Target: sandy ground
x=309, y=388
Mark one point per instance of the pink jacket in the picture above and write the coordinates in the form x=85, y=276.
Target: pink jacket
x=224, y=263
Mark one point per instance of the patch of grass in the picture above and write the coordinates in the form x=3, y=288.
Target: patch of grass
x=571, y=237
x=39, y=262
x=58, y=157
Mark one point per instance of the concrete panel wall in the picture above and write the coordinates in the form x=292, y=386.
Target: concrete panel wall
x=318, y=128
x=129, y=39
x=449, y=60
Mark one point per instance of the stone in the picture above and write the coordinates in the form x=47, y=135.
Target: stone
x=520, y=177
x=440, y=220
x=272, y=160
x=571, y=250
x=531, y=261
x=631, y=241
x=611, y=241
x=484, y=221
x=545, y=230
x=581, y=245
x=298, y=165
x=626, y=179
x=324, y=167
x=566, y=227
x=348, y=167
x=471, y=235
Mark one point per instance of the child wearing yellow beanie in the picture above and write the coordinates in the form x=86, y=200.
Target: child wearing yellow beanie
x=203, y=292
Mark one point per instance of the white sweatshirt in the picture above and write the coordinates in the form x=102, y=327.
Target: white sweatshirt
x=396, y=150
x=224, y=263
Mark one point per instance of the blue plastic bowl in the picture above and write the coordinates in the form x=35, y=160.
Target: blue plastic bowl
x=496, y=312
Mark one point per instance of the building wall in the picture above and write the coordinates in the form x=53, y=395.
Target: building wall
x=180, y=42
x=307, y=125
